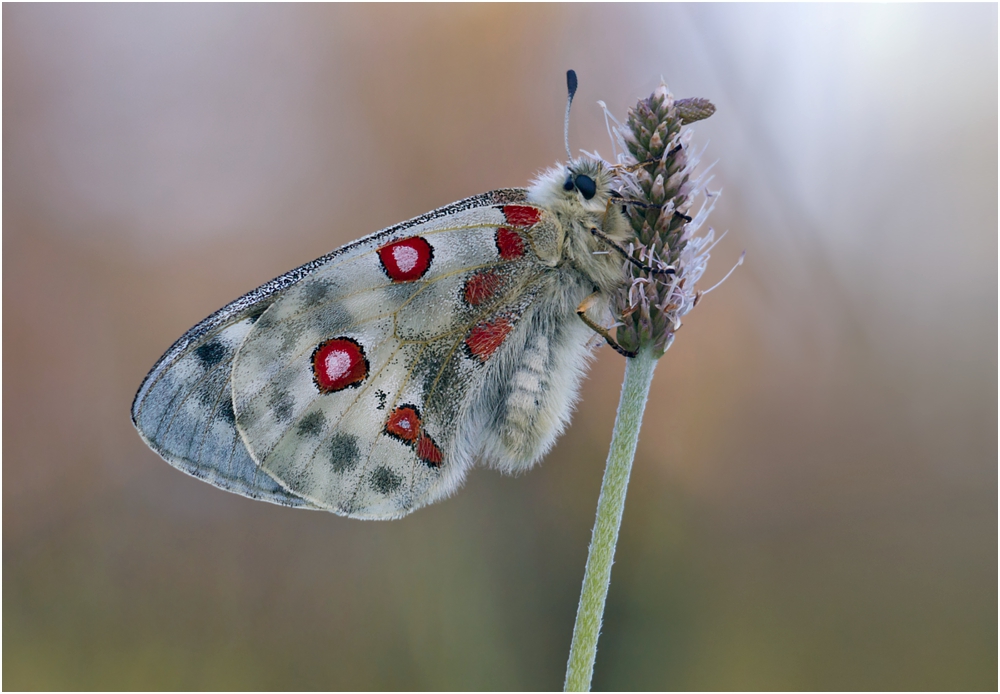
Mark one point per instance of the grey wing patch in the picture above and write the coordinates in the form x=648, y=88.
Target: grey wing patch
x=184, y=412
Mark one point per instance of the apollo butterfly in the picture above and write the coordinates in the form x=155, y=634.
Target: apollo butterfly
x=367, y=382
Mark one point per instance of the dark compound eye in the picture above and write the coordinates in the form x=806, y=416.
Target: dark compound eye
x=568, y=185
x=586, y=185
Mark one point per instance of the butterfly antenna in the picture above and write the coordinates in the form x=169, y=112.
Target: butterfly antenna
x=571, y=88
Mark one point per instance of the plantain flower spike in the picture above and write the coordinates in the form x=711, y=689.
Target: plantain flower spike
x=656, y=179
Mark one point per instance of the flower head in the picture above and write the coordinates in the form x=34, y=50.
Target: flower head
x=655, y=176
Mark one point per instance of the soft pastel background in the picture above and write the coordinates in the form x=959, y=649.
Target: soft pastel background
x=814, y=501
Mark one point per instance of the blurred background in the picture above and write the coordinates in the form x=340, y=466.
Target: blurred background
x=814, y=499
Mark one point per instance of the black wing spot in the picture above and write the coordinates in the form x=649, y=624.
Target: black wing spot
x=384, y=481
x=312, y=424
x=211, y=353
x=315, y=292
x=344, y=454
x=226, y=410
x=282, y=404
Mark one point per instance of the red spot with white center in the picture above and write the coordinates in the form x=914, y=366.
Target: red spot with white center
x=428, y=451
x=339, y=363
x=484, y=339
x=404, y=423
x=407, y=259
x=481, y=286
x=521, y=215
x=510, y=245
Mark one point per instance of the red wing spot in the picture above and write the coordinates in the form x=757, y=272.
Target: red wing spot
x=521, y=215
x=404, y=423
x=510, y=245
x=484, y=339
x=339, y=363
x=481, y=286
x=428, y=451
x=407, y=259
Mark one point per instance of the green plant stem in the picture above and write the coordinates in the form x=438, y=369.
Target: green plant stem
x=610, y=505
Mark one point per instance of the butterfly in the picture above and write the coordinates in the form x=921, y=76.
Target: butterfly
x=369, y=381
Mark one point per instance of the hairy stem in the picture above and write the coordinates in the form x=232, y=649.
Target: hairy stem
x=597, y=577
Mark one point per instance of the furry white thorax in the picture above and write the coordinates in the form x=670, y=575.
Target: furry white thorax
x=577, y=216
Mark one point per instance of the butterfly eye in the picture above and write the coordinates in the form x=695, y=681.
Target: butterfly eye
x=586, y=185
x=568, y=185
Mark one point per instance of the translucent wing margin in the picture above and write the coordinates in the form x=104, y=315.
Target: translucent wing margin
x=184, y=409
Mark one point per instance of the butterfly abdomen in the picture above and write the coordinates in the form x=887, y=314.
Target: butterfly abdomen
x=528, y=400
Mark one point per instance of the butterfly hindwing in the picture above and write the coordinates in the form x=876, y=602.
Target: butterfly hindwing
x=349, y=389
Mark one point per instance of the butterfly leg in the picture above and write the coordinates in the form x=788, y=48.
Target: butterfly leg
x=581, y=311
x=631, y=168
x=666, y=270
